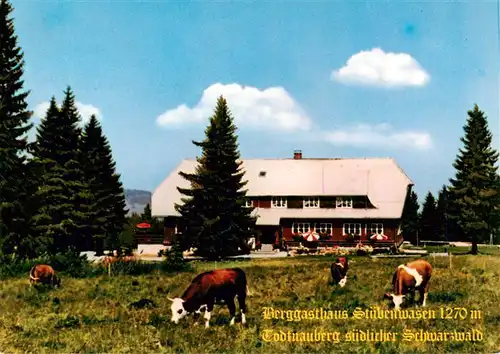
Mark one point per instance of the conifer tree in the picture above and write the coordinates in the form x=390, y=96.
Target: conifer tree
x=61, y=195
x=75, y=184
x=156, y=223
x=428, y=219
x=443, y=230
x=214, y=218
x=15, y=191
x=146, y=214
x=410, y=218
x=475, y=189
x=105, y=194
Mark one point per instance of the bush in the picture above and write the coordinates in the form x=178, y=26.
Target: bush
x=11, y=266
x=174, y=259
x=71, y=263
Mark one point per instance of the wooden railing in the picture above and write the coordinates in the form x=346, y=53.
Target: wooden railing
x=150, y=239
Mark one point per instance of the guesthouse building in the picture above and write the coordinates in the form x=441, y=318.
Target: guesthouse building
x=344, y=200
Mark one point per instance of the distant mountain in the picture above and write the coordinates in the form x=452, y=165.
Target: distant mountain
x=136, y=200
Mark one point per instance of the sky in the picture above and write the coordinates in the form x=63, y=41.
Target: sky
x=330, y=78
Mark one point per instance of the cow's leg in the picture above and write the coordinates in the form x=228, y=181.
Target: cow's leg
x=208, y=311
x=424, y=293
x=242, y=305
x=232, y=309
x=420, y=296
x=412, y=296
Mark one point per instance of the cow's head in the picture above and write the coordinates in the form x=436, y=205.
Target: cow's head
x=57, y=282
x=178, y=310
x=341, y=260
x=397, y=300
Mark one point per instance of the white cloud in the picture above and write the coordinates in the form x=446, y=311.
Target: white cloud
x=381, y=135
x=377, y=68
x=271, y=108
x=85, y=110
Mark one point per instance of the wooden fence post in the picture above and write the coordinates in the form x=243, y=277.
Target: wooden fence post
x=109, y=269
x=450, y=257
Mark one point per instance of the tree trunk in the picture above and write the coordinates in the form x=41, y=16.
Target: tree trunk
x=474, y=249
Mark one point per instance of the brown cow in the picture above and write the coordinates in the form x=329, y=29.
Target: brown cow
x=339, y=270
x=207, y=289
x=44, y=274
x=407, y=278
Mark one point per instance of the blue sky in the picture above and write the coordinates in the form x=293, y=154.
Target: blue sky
x=334, y=79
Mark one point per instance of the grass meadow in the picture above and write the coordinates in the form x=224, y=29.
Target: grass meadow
x=93, y=315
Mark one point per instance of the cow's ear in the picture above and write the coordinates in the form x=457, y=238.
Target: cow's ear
x=387, y=296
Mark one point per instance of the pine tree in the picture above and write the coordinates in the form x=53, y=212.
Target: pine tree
x=410, y=219
x=15, y=207
x=105, y=194
x=475, y=190
x=213, y=215
x=428, y=219
x=146, y=214
x=442, y=210
x=61, y=195
x=75, y=182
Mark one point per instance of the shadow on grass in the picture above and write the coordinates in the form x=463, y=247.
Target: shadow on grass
x=445, y=297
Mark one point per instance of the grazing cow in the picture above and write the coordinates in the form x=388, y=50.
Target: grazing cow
x=215, y=287
x=44, y=274
x=339, y=271
x=406, y=279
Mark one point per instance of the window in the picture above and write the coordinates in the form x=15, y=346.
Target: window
x=354, y=229
x=344, y=202
x=248, y=203
x=262, y=174
x=278, y=202
x=324, y=228
x=377, y=229
x=300, y=227
x=311, y=202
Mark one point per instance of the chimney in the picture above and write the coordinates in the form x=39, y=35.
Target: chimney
x=297, y=154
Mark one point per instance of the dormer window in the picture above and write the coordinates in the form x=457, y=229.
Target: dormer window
x=248, y=203
x=278, y=202
x=262, y=174
x=344, y=202
x=311, y=202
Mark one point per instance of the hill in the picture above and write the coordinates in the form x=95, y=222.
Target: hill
x=137, y=199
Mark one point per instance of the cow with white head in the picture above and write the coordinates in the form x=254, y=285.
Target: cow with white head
x=406, y=279
x=219, y=286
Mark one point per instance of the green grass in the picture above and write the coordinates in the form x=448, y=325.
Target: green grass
x=484, y=250
x=91, y=315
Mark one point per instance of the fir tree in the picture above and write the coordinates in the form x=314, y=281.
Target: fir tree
x=428, y=219
x=214, y=218
x=475, y=190
x=156, y=223
x=15, y=206
x=105, y=194
x=146, y=214
x=75, y=182
x=410, y=219
x=443, y=229
x=61, y=195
